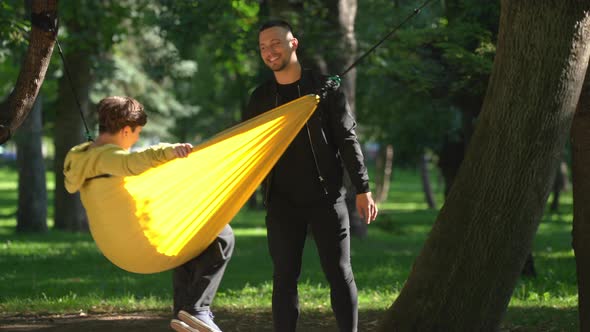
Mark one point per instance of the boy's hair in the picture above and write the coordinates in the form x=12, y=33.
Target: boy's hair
x=114, y=113
x=276, y=23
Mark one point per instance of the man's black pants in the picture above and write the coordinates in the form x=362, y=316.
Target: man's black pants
x=287, y=229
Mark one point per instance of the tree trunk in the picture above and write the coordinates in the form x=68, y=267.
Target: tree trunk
x=383, y=173
x=580, y=138
x=464, y=276
x=32, y=73
x=69, y=131
x=32, y=189
x=427, y=188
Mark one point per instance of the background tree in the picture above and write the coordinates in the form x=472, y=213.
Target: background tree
x=32, y=188
x=580, y=140
x=466, y=272
x=34, y=67
x=16, y=30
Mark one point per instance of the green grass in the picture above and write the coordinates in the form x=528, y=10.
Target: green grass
x=60, y=272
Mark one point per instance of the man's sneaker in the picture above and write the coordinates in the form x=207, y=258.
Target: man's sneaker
x=180, y=326
x=201, y=320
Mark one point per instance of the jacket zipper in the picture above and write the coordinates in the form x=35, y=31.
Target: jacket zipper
x=315, y=160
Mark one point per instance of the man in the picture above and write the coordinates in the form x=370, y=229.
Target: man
x=305, y=188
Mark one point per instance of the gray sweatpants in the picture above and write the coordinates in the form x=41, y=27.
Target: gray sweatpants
x=196, y=281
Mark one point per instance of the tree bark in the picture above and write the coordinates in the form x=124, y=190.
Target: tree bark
x=32, y=188
x=580, y=141
x=69, y=131
x=32, y=73
x=464, y=276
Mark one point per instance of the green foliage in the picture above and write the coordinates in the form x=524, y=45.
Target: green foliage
x=14, y=27
x=220, y=39
x=413, y=89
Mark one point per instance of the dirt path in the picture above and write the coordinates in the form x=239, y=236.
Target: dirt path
x=135, y=322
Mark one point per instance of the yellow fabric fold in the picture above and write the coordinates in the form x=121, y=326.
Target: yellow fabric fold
x=165, y=216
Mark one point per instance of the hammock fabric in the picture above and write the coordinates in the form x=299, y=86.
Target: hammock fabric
x=168, y=215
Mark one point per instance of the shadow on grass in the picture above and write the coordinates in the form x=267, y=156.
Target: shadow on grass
x=541, y=319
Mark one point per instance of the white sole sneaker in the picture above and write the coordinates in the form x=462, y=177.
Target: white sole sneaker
x=180, y=326
x=195, y=323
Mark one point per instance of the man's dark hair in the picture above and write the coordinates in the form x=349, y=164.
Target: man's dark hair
x=276, y=23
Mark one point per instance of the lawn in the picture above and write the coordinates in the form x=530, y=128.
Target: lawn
x=60, y=272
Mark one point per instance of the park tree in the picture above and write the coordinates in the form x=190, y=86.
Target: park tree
x=23, y=119
x=465, y=274
x=32, y=188
x=34, y=67
x=580, y=143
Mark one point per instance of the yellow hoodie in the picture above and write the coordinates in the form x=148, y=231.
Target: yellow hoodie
x=84, y=162
x=111, y=211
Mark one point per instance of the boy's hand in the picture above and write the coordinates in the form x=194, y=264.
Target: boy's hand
x=182, y=150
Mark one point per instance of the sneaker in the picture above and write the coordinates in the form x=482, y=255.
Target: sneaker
x=180, y=326
x=201, y=320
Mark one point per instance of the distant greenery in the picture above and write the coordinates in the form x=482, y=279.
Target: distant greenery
x=63, y=272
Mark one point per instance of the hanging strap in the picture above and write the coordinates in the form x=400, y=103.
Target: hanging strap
x=48, y=22
x=333, y=82
x=61, y=54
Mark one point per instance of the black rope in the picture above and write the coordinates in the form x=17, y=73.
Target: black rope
x=414, y=13
x=61, y=54
x=48, y=21
x=333, y=82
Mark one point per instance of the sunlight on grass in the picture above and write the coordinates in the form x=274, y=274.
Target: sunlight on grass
x=255, y=231
x=409, y=206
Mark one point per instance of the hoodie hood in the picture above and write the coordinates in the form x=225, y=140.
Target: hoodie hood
x=80, y=164
x=75, y=167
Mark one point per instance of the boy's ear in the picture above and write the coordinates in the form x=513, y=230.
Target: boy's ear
x=126, y=130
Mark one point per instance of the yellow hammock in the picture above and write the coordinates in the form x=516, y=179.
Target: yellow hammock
x=164, y=217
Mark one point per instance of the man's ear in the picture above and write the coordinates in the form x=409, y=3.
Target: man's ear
x=294, y=43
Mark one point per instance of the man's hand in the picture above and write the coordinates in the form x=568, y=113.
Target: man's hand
x=182, y=150
x=366, y=207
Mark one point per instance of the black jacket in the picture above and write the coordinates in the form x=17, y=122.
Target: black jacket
x=332, y=133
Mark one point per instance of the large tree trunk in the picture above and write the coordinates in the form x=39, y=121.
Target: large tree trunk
x=464, y=276
x=32, y=189
x=32, y=73
x=580, y=135
x=69, y=212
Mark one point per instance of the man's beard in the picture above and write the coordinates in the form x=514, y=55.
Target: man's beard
x=282, y=65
